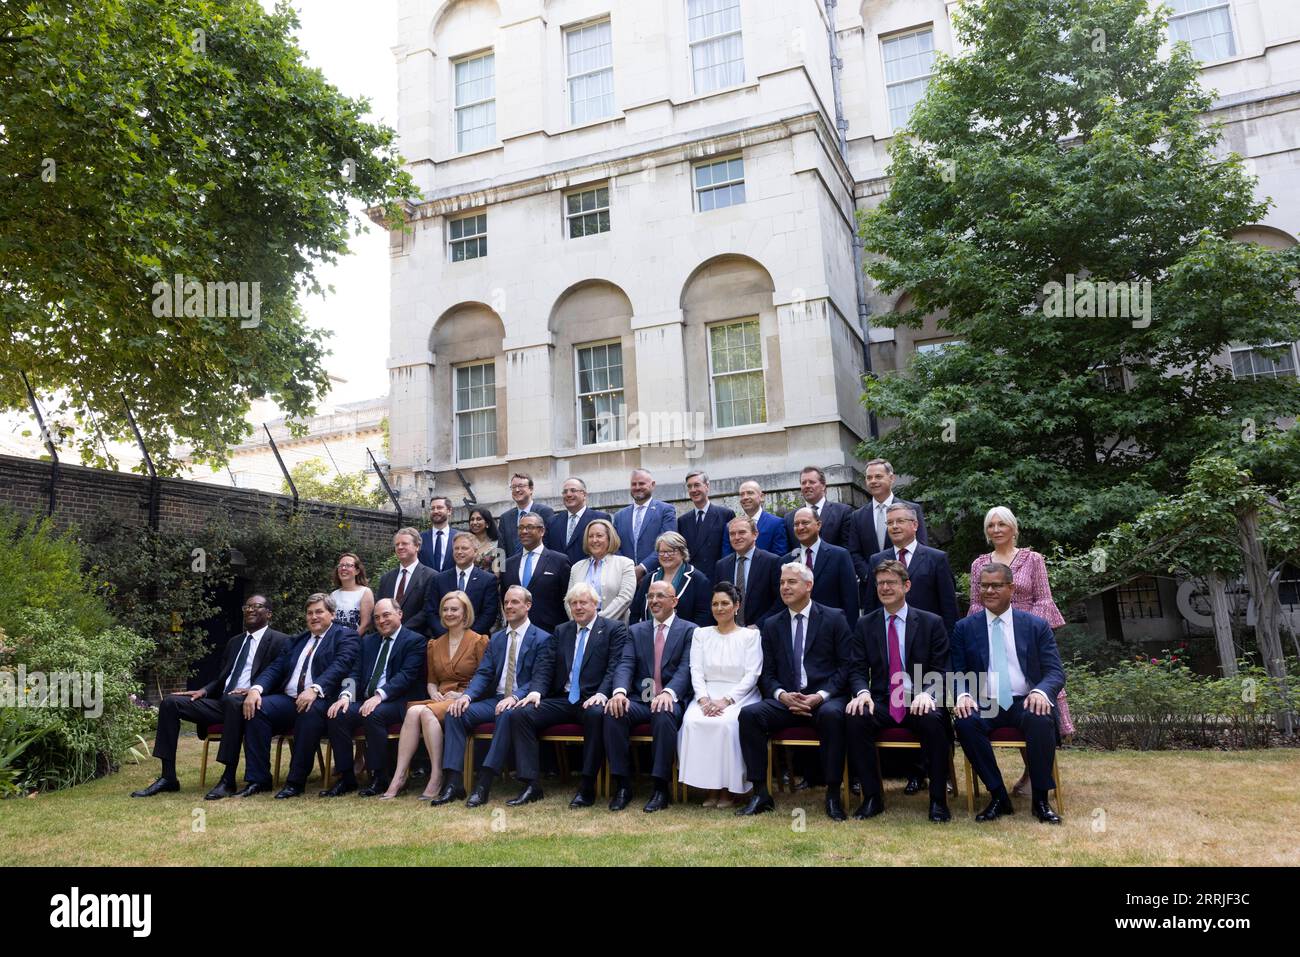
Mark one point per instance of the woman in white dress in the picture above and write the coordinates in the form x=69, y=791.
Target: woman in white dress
x=353, y=601
x=725, y=664
x=611, y=574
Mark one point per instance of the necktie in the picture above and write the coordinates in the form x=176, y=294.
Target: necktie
x=817, y=512
x=902, y=557
x=233, y=681
x=401, y=587
x=740, y=586
x=510, y=663
x=998, y=665
x=896, y=709
x=573, y=525
x=798, y=650
x=808, y=560
x=575, y=690
x=437, y=552
x=880, y=525
x=638, y=516
x=699, y=516
x=527, y=576
x=461, y=584
x=660, y=638
x=380, y=662
x=306, y=665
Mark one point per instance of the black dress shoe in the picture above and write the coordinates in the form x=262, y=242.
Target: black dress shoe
x=583, y=799
x=528, y=795
x=252, y=788
x=870, y=807
x=158, y=787
x=1043, y=811
x=288, y=791
x=939, y=812
x=801, y=785
x=620, y=799
x=835, y=808
x=339, y=789
x=756, y=805
x=658, y=801
x=222, y=790
x=914, y=785
x=370, y=791
x=448, y=794
x=999, y=806
x=479, y=797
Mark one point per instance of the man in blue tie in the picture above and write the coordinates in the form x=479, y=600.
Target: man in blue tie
x=1012, y=658
x=435, y=544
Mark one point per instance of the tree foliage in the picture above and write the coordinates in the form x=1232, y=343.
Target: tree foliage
x=314, y=481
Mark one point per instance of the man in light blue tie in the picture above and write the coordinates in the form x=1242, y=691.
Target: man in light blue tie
x=640, y=524
x=1007, y=674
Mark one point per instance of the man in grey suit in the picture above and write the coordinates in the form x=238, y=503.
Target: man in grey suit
x=410, y=583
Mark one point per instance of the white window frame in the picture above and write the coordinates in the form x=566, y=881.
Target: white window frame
x=937, y=347
x=1206, y=11
x=466, y=239
x=715, y=375
x=569, y=33
x=1254, y=377
x=594, y=211
x=885, y=41
x=711, y=39
x=458, y=107
x=699, y=191
x=458, y=412
x=579, y=395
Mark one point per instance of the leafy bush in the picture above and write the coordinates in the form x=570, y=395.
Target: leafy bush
x=41, y=566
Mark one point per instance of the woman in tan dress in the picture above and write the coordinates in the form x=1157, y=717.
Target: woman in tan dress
x=452, y=660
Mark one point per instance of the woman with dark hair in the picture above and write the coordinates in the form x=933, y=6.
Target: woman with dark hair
x=483, y=528
x=352, y=599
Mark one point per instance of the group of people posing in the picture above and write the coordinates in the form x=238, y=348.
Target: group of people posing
x=707, y=633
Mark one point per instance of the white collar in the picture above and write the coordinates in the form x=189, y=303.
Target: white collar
x=411, y=567
x=1007, y=620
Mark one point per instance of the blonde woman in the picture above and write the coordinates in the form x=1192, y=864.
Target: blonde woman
x=611, y=574
x=694, y=590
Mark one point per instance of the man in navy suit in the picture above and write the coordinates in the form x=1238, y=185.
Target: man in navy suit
x=641, y=523
x=1017, y=675
x=567, y=528
x=292, y=693
x=755, y=573
x=481, y=587
x=435, y=544
x=410, y=583
x=896, y=676
x=515, y=656
x=806, y=652
x=543, y=571
x=521, y=490
x=834, y=516
x=771, y=529
x=385, y=677
x=705, y=526
x=836, y=585
x=868, y=532
x=651, y=684
x=571, y=687
x=932, y=588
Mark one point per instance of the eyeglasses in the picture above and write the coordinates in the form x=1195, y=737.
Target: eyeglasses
x=993, y=586
x=251, y=607
x=347, y=565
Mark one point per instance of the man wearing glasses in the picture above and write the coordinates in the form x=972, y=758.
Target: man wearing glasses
x=220, y=701
x=521, y=490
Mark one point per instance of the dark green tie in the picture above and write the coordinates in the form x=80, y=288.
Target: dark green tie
x=384, y=647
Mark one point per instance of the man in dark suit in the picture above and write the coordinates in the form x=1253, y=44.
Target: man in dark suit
x=932, y=588
x=651, y=684
x=220, y=701
x=566, y=529
x=806, y=651
x=435, y=544
x=482, y=588
x=516, y=657
x=868, y=532
x=410, y=583
x=771, y=529
x=385, y=677
x=569, y=687
x=705, y=526
x=755, y=573
x=543, y=571
x=641, y=523
x=292, y=694
x=1009, y=659
x=521, y=490
x=836, y=585
x=834, y=516
x=896, y=676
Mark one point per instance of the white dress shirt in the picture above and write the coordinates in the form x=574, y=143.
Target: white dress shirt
x=806, y=611
x=245, y=677
x=291, y=682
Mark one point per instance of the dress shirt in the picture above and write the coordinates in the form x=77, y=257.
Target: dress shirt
x=523, y=630
x=243, y=679
x=878, y=517
x=668, y=626
x=803, y=552
x=291, y=682
x=910, y=548
x=1019, y=685
x=745, y=569
x=806, y=611
x=433, y=543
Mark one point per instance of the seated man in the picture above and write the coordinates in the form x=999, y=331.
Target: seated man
x=220, y=701
x=1014, y=655
x=805, y=669
x=296, y=686
x=514, y=657
x=577, y=681
x=656, y=670
x=388, y=668
x=894, y=647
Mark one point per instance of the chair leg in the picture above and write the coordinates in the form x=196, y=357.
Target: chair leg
x=972, y=784
x=320, y=758
x=329, y=764
x=203, y=768
x=1056, y=776
x=275, y=775
x=952, y=774
x=769, y=766
x=469, y=765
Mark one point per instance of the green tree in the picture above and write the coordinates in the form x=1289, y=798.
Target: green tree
x=1060, y=146
x=313, y=481
x=141, y=140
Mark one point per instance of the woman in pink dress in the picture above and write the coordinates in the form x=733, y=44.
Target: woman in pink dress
x=1031, y=592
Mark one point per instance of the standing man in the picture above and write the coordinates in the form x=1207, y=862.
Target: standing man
x=771, y=530
x=834, y=516
x=220, y=701
x=482, y=588
x=932, y=586
x=435, y=544
x=640, y=524
x=565, y=529
x=543, y=571
x=521, y=490
x=836, y=585
x=755, y=573
x=410, y=584
x=867, y=532
x=705, y=526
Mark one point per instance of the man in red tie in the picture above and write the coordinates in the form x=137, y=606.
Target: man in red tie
x=897, y=674
x=933, y=588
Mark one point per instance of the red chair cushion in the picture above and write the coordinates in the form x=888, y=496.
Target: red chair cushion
x=641, y=731
x=1006, y=734
x=898, y=735
x=565, y=730
x=796, y=734
x=487, y=727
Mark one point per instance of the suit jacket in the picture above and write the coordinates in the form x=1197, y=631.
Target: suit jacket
x=401, y=673
x=535, y=650
x=508, y=526
x=548, y=585
x=834, y=583
x=708, y=542
x=600, y=659
x=925, y=646
x=268, y=649
x=484, y=594
x=835, y=523
x=694, y=601
x=426, y=549
x=771, y=534
x=933, y=588
x=557, y=526
x=1035, y=650
x=638, y=663
x=331, y=663
x=827, y=646
x=659, y=517
x=762, y=593
x=864, y=542
x=415, y=599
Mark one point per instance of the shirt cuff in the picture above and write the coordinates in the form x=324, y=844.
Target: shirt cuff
x=965, y=694
x=825, y=695
x=672, y=694
x=622, y=691
x=779, y=692
x=383, y=695
x=319, y=690
x=257, y=688
x=864, y=691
